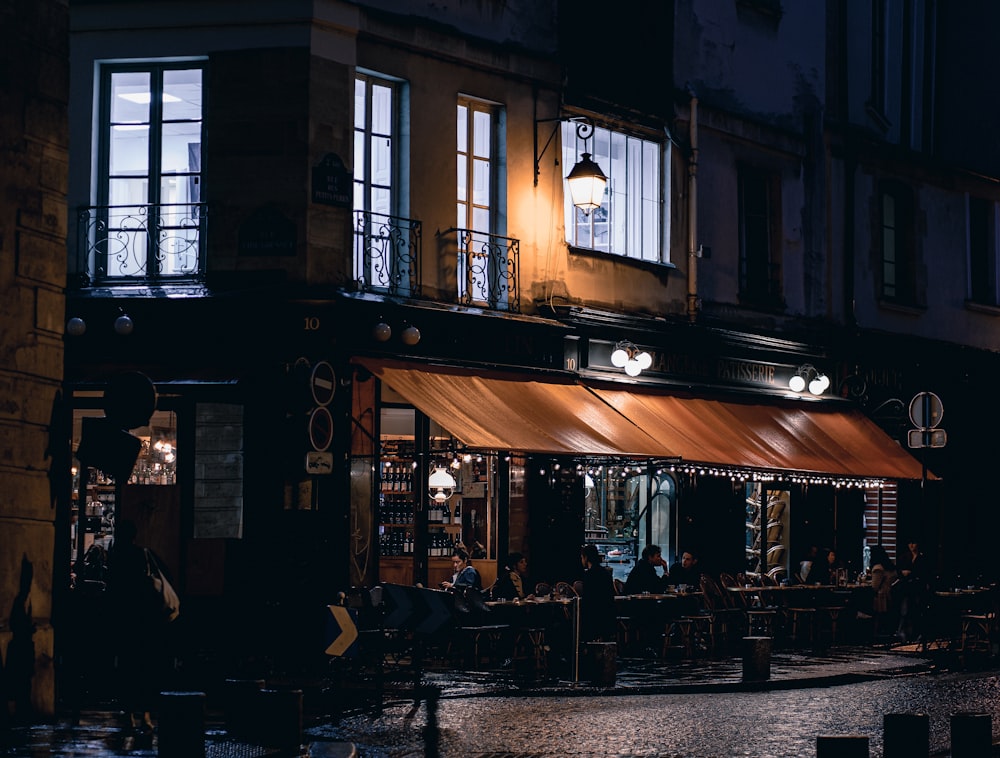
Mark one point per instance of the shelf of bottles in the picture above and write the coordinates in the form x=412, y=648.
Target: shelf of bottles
x=397, y=506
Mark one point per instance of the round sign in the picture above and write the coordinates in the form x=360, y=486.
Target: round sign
x=926, y=410
x=322, y=383
x=320, y=429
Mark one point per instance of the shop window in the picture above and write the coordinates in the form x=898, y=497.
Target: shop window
x=627, y=508
x=631, y=221
x=96, y=508
x=149, y=221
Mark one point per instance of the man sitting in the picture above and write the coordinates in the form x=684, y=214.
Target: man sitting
x=643, y=577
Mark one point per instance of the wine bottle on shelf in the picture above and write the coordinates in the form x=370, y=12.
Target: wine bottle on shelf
x=456, y=516
x=445, y=513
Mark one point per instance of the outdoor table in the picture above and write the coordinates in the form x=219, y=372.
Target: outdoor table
x=944, y=617
x=525, y=615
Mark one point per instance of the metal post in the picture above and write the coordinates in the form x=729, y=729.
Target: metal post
x=575, y=613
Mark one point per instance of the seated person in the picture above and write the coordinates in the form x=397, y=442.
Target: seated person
x=465, y=574
x=510, y=579
x=685, y=571
x=643, y=577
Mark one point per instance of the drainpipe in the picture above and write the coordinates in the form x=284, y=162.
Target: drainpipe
x=692, y=269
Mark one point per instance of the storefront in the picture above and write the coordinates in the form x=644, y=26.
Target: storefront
x=541, y=463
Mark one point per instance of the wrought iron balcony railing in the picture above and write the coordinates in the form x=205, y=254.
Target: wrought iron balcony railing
x=486, y=269
x=387, y=254
x=142, y=243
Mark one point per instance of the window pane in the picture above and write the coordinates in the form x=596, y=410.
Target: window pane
x=461, y=187
x=182, y=95
x=181, y=149
x=481, y=183
x=130, y=98
x=129, y=151
x=481, y=219
x=381, y=109
x=128, y=191
x=482, y=127
x=360, y=108
x=381, y=200
x=359, y=158
x=463, y=129
x=382, y=161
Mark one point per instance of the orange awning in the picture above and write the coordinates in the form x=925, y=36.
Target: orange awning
x=497, y=412
x=813, y=438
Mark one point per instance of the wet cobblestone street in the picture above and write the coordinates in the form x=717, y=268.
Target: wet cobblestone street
x=763, y=724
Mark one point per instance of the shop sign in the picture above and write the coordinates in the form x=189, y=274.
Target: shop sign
x=341, y=631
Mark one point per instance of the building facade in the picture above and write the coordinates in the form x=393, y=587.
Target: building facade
x=335, y=243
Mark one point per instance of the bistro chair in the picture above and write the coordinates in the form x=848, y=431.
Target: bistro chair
x=565, y=589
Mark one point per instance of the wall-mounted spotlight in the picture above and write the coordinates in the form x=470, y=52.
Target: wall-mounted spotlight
x=124, y=324
x=76, y=326
x=628, y=356
x=381, y=332
x=410, y=335
x=808, y=376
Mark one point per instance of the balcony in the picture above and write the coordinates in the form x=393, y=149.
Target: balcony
x=142, y=244
x=486, y=269
x=387, y=254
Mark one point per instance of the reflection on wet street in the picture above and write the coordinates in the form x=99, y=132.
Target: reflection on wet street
x=775, y=724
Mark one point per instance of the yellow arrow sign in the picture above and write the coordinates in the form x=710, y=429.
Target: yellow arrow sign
x=348, y=631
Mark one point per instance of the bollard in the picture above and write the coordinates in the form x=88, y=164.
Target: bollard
x=906, y=735
x=602, y=657
x=182, y=725
x=756, y=659
x=432, y=736
x=242, y=707
x=842, y=746
x=971, y=735
x=281, y=719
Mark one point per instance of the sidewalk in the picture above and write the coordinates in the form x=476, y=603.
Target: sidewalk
x=100, y=732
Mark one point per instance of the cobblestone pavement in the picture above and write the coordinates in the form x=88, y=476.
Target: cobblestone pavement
x=674, y=710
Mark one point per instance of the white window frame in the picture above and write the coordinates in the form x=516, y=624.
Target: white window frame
x=155, y=233
x=633, y=220
x=381, y=174
x=480, y=182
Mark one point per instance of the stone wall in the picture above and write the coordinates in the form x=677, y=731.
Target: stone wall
x=34, y=56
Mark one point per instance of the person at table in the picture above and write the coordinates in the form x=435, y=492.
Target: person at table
x=510, y=579
x=685, y=571
x=884, y=576
x=464, y=573
x=915, y=591
x=833, y=568
x=597, y=603
x=643, y=577
x=810, y=560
